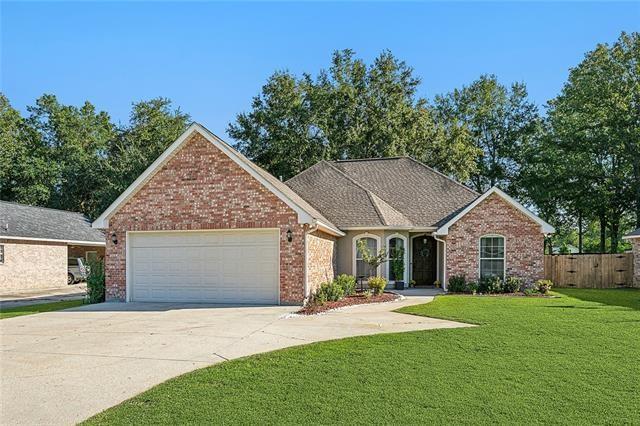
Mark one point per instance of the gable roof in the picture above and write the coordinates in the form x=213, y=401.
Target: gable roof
x=400, y=193
x=306, y=212
x=23, y=222
x=545, y=227
x=632, y=234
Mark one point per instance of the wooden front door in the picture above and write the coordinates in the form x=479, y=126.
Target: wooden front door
x=424, y=260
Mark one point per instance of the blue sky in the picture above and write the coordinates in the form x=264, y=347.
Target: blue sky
x=211, y=58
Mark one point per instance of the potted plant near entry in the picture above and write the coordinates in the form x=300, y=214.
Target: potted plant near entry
x=397, y=266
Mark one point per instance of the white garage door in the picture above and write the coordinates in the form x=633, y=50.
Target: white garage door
x=231, y=266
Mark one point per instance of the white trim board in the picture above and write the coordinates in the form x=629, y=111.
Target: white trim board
x=303, y=215
x=53, y=240
x=544, y=226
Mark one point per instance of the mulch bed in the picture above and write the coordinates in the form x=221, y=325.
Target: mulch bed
x=356, y=299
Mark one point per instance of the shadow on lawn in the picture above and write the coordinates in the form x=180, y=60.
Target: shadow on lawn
x=625, y=297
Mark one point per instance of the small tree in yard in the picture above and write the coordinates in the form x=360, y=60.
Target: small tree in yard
x=371, y=259
x=95, y=282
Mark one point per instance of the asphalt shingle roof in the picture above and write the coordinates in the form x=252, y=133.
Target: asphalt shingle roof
x=19, y=220
x=635, y=233
x=381, y=192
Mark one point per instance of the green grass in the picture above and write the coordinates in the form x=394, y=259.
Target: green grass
x=38, y=308
x=572, y=359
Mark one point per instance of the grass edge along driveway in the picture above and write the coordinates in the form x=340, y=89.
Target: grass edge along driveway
x=571, y=359
x=38, y=308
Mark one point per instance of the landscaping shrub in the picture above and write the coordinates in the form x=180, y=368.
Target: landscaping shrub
x=471, y=287
x=457, y=284
x=530, y=290
x=328, y=292
x=544, y=286
x=490, y=285
x=377, y=284
x=95, y=282
x=347, y=283
x=512, y=285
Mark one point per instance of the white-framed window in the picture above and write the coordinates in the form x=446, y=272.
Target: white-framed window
x=360, y=267
x=492, y=256
x=396, y=242
x=1, y=254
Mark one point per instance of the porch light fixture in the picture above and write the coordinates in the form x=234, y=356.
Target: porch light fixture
x=114, y=238
x=289, y=236
x=424, y=240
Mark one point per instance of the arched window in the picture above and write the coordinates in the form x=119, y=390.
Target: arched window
x=492, y=258
x=363, y=269
x=397, y=245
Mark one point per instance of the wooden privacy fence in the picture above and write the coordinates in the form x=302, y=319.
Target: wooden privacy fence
x=589, y=270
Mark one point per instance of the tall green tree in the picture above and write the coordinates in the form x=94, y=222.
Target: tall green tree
x=595, y=122
x=501, y=121
x=351, y=110
x=26, y=172
x=76, y=141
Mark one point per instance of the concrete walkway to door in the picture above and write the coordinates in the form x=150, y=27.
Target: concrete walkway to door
x=62, y=367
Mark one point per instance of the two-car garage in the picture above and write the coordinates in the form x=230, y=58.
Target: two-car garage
x=221, y=266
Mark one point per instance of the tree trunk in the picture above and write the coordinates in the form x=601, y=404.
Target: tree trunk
x=615, y=230
x=603, y=233
x=580, y=232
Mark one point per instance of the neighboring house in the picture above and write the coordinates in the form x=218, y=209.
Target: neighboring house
x=565, y=249
x=36, y=244
x=634, y=239
x=205, y=224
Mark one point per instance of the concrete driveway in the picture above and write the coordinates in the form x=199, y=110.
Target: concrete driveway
x=62, y=367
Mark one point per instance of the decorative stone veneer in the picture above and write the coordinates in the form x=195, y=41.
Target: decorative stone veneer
x=635, y=245
x=321, y=259
x=32, y=265
x=524, y=242
x=201, y=188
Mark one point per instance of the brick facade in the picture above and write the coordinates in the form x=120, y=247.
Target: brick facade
x=321, y=259
x=32, y=265
x=524, y=242
x=635, y=245
x=201, y=188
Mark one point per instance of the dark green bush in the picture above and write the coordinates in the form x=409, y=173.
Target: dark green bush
x=328, y=292
x=377, y=284
x=544, y=286
x=347, y=283
x=471, y=287
x=512, y=285
x=457, y=284
x=491, y=285
x=95, y=282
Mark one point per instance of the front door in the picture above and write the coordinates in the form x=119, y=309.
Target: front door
x=424, y=260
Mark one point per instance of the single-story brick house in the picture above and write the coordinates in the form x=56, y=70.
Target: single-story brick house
x=634, y=239
x=205, y=224
x=36, y=244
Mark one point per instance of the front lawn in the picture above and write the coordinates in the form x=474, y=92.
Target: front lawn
x=38, y=308
x=572, y=359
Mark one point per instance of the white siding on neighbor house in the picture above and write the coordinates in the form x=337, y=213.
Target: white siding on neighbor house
x=226, y=266
x=30, y=265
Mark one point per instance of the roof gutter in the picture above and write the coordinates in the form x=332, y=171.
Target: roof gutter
x=317, y=224
x=53, y=240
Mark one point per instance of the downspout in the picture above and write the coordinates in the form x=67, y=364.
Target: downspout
x=311, y=229
x=444, y=261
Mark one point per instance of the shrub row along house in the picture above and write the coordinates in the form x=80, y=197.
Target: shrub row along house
x=205, y=224
x=38, y=245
